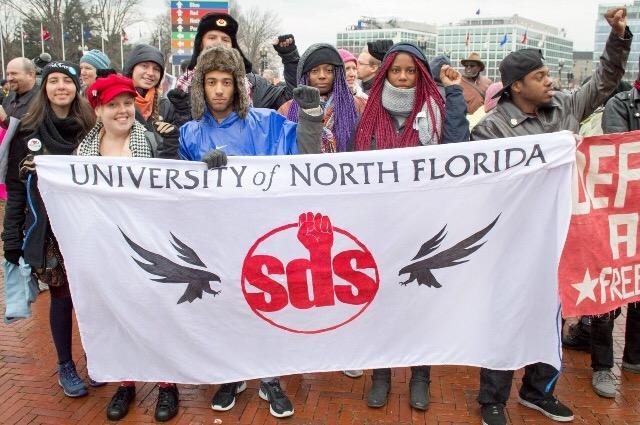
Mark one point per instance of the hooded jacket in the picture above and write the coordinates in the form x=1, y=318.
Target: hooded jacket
x=455, y=126
x=246, y=130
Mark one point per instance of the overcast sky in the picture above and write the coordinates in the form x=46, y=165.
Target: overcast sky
x=316, y=21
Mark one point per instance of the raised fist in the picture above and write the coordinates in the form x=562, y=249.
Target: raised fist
x=617, y=19
x=307, y=97
x=450, y=76
x=315, y=231
x=284, y=44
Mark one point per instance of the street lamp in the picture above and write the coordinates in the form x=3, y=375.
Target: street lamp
x=560, y=66
x=263, y=59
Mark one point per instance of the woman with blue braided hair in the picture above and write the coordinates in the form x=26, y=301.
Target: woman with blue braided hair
x=321, y=66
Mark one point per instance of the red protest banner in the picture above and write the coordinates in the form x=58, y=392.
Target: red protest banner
x=600, y=265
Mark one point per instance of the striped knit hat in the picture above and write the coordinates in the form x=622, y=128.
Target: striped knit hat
x=97, y=59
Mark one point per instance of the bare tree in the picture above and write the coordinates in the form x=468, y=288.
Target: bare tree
x=257, y=29
x=161, y=36
x=9, y=23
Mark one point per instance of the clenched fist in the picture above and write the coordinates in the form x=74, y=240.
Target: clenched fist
x=450, y=76
x=617, y=19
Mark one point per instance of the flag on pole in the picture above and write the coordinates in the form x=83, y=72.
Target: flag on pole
x=25, y=36
x=467, y=40
x=503, y=40
x=478, y=12
x=524, y=38
x=124, y=37
x=104, y=35
x=46, y=36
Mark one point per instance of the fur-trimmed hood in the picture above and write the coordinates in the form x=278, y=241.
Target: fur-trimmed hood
x=220, y=58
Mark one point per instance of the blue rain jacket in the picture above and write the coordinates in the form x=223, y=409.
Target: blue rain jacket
x=263, y=132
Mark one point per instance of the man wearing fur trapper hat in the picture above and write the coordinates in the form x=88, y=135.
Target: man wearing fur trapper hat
x=221, y=28
x=225, y=124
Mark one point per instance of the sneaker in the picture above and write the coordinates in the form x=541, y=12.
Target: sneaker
x=119, y=405
x=167, y=404
x=225, y=398
x=96, y=384
x=604, y=383
x=355, y=373
x=577, y=338
x=69, y=380
x=631, y=367
x=551, y=407
x=279, y=404
x=493, y=414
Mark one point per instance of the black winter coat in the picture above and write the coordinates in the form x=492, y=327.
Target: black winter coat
x=622, y=113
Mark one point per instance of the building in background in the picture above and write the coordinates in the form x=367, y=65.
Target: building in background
x=603, y=30
x=582, y=66
x=355, y=38
x=494, y=38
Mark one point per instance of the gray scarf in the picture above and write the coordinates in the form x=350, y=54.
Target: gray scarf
x=398, y=102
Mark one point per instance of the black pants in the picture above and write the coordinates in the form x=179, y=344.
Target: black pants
x=495, y=385
x=602, y=338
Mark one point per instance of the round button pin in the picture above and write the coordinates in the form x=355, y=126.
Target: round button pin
x=513, y=122
x=34, y=145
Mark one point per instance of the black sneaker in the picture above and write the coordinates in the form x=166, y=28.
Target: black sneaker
x=279, y=404
x=167, y=404
x=225, y=398
x=119, y=405
x=577, y=338
x=551, y=408
x=493, y=414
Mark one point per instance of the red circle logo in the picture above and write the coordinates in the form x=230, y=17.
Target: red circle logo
x=325, y=280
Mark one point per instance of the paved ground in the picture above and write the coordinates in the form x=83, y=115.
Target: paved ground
x=29, y=393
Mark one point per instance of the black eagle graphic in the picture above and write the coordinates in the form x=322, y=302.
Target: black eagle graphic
x=197, y=280
x=421, y=270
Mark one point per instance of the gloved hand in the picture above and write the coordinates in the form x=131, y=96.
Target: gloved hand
x=284, y=44
x=379, y=48
x=215, y=158
x=27, y=167
x=163, y=128
x=307, y=97
x=13, y=256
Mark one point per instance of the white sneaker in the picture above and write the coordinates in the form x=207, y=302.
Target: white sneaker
x=604, y=383
x=354, y=373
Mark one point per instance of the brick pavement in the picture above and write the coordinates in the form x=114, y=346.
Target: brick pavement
x=29, y=393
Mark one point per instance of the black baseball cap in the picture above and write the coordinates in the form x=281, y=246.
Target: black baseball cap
x=516, y=65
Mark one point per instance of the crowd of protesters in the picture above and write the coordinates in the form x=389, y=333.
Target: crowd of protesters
x=332, y=100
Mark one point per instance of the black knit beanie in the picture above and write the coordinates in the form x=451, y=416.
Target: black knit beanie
x=143, y=53
x=67, y=68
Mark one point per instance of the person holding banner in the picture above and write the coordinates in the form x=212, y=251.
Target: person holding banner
x=529, y=105
x=225, y=124
x=57, y=120
x=405, y=109
x=117, y=133
x=620, y=115
x=321, y=67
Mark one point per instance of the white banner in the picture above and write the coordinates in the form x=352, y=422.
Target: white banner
x=281, y=265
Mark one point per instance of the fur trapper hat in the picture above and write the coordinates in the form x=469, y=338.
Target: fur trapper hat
x=220, y=58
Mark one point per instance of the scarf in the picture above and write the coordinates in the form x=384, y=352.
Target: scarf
x=138, y=143
x=398, y=102
x=145, y=104
x=60, y=136
x=636, y=85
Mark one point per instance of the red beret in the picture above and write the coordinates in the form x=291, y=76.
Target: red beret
x=105, y=89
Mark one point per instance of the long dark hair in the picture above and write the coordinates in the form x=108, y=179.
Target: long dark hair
x=40, y=106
